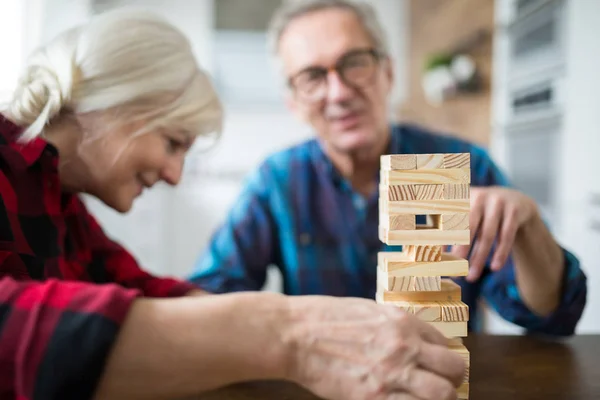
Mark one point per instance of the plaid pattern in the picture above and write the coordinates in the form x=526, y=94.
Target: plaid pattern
x=298, y=213
x=65, y=287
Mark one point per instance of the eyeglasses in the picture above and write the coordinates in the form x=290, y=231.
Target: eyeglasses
x=356, y=69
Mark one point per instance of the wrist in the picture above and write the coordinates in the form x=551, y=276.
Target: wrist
x=277, y=354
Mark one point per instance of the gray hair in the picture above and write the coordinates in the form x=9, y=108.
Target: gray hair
x=292, y=9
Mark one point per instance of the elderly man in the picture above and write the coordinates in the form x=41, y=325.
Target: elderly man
x=312, y=210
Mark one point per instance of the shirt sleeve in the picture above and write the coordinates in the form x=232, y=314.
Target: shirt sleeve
x=55, y=336
x=243, y=247
x=123, y=269
x=500, y=288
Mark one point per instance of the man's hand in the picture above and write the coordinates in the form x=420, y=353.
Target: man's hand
x=497, y=213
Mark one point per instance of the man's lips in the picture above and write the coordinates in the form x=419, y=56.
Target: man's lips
x=346, y=121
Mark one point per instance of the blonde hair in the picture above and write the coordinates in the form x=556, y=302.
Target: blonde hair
x=127, y=60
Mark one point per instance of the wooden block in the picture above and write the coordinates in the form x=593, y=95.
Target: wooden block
x=427, y=310
x=397, y=192
x=454, y=191
x=463, y=391
x=430, y=161
x=432, y=311
x=449, y=265
x=450, y=291
x=454, y=311
x=451, y=329
x=455, y=222
x=424, y=253
x=410, y=283
x=398, y=162
x=429, y=192
x=464, y=353
x=425, y=176
x=455, y=342
x=424, y=236
x=426, y=207
x=457, y=160
x=411, y=192
x=398, y=222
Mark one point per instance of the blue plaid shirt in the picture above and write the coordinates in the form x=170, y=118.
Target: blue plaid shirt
x=296, y=212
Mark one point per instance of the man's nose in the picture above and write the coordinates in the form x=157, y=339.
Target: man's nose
x=172, y=170
x=337, y=89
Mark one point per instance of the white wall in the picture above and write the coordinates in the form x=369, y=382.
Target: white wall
x=11, y=42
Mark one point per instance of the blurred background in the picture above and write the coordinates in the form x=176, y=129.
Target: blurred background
x=520, y=77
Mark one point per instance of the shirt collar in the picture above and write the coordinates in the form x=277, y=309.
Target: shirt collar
x=30, y=151
x=329, y=169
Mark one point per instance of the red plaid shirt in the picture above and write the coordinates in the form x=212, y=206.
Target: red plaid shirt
x=65, y=287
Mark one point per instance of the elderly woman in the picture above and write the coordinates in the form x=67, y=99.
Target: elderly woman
x=109, y=109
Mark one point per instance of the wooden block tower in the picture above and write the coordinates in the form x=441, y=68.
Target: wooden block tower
x=417, y=279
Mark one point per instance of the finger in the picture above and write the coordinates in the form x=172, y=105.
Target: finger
x=506, y=238
x=422, y=384
x=443, y=362
x=461, y=251
x=430, y=334
x=412, y=323
x=475, y=216
x=485, y=238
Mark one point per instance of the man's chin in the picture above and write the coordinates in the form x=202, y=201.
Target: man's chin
x=354, y=141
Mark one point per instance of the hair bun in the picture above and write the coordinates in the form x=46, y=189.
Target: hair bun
x=43, y=91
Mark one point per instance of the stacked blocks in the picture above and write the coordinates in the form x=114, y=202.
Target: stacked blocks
x=418, y=278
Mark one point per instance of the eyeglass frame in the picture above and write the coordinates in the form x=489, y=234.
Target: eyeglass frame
x=338, y=68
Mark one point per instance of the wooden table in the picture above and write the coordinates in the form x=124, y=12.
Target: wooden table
x=502, y=367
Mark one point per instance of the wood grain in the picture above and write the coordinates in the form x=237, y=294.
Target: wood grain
x=457, y=160
x=450, y=291
x=398, y=162
x=427, y=310
x=398, y=192
x=454, y=311
x=432, y=311
x=455, y=222
x=411, y=283
x=402, y=222
x=425, y=176
x=456, y=191
x=412, y=192
x=425, y=207
x=429, y=192
x=450, y=265
x=451, y=329
x=424, y=253
x=424, y=236
x=430, y=161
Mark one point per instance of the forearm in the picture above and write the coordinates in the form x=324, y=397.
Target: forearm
x=180, y=347
x=539, y=265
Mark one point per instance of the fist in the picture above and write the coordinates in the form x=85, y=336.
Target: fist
x=356, y=349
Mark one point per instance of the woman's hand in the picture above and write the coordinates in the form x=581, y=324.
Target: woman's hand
x=357, y=349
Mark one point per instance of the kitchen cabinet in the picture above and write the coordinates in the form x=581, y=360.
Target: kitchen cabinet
x=546, y=120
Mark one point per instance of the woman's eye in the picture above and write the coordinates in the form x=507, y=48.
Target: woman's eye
x=173, y=145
